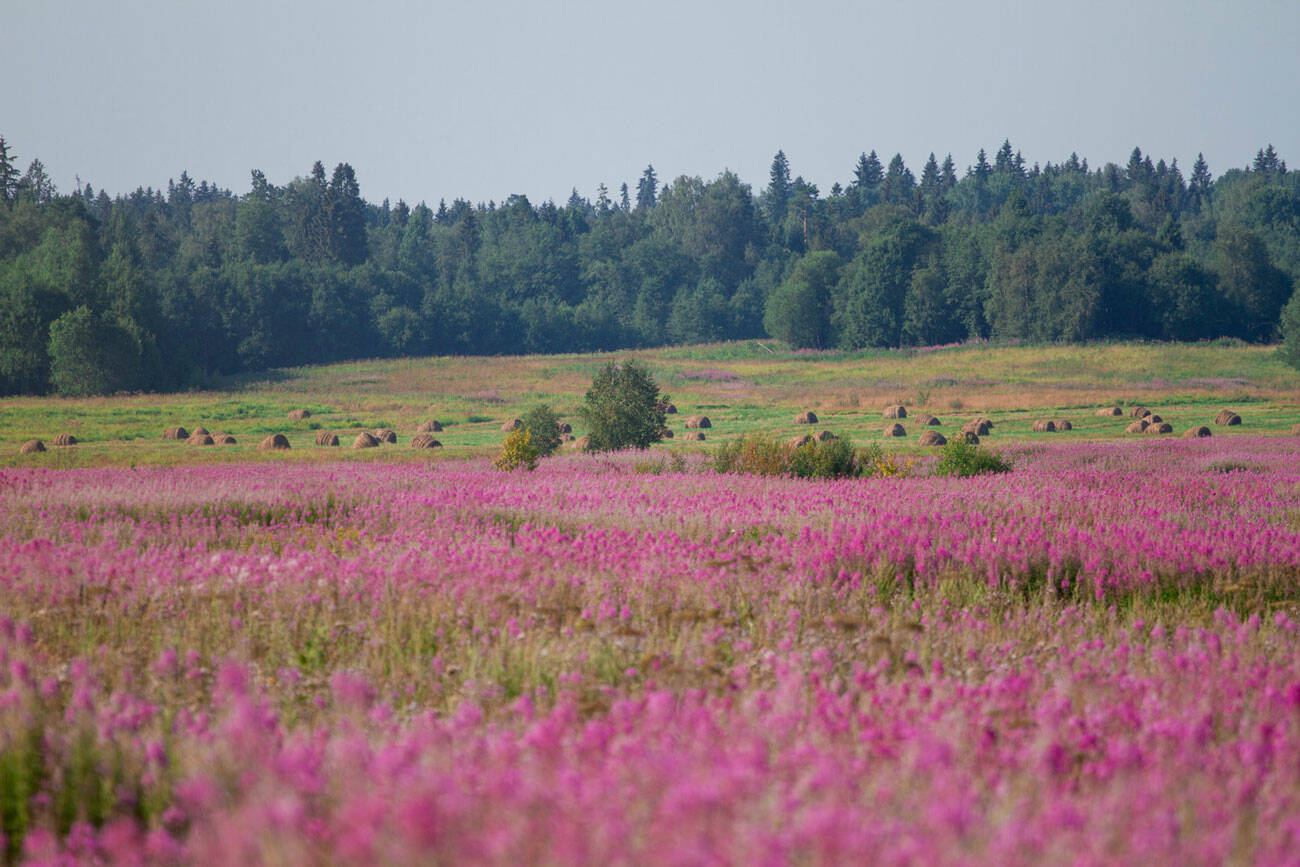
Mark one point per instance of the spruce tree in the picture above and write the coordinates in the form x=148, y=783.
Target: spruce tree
x=646, y=188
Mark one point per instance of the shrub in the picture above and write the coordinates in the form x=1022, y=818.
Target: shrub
x=623, y=408
x=753, y=455
x=874, y=463
x=756, y=455
x=831, y=459
x=544, y=426
x=517, y=451
x=962, y=459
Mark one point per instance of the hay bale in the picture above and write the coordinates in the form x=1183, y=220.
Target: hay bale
x=969, y=437
x=325, y=438
x=568, y=438
x=979, y=427
x=1110, y=412
x=565, y=427
x=273, y=442
x=926, y=419
x=801, y=440
x=224, y=439
x=1139, y=412
x=1044, y=425
x=1153, y=419
x=64, y=439
x=513, y=424
x=806, y=418
x=986, y=421
x=429, y=427
x=932, y=438
x=176, y=433
x=200, y=440
x=424, y=441
x=693, y=436
x=896, y=411
x=365, y=440
x=200, y=431
x=384, y=435
x=299, y=414
x=582, y=443
x=1063, y=424
x=1159, y=428
x=895, y=430
x=1137, y=427
x=697, y=422
x=1197, y=432
x=668, y=408
x=823, y=436
x=664, y=434
x=1227, y=417
x=31, y=447
x=1295, y=430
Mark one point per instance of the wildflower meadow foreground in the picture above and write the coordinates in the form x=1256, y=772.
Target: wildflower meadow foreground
x=1091, y=659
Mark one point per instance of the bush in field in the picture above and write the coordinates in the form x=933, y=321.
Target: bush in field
x=517, y=451
x=759, y=456
x=544, y=426
x=623, y=408
x=961, y=459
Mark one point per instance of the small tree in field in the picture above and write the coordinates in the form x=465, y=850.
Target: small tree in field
x=544, y=427
x=517, y=451
x=623, y=408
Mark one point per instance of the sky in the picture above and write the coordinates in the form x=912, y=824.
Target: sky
x=481, y=99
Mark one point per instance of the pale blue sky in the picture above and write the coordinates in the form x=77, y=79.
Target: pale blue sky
x=480, y=99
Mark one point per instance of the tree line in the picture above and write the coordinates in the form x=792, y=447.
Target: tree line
x=169, y=289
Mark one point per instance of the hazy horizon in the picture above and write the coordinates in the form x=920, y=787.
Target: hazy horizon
x=480, y=102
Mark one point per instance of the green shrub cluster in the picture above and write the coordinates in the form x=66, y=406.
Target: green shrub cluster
x=544, y=427
x=961, y=459
x=517, y=451
x=756, y=455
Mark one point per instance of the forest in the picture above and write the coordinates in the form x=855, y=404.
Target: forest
x=160, y=290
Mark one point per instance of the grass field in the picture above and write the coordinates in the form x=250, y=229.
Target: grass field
x=742, y=387
x=328, y=656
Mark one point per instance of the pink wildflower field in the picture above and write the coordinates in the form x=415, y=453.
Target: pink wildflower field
x=1092, y=659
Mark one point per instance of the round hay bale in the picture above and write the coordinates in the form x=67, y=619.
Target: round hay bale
x=64, y=439
x=895, y=411
x=201, y=440
x=697, y=422
x=1044, y=425
x=566, y=428
x=986, y=421
x=582, y=443
x=669, y=408
x=1153, y=419
x=1063, y=424
x=424, y=441
x=1197, y=432
x=200, y=431
x=801, y=440
x=273, y=442
x=1227, y=417
x=1139, y=412
x=932, y=438
x=895, y=430
x=1110, y=412
x=979, y=427
x=176, y=433
x=926, y=419
x=1159, y=428
x=224, y=439
x=429, y=427
x=1295, y=430
x=299, y=414
x=513, y=424
x=1137, y=427
x=823, y=436
x=971, y=438
x=693, y=436
x=384, y=435
x=664, y=434
x=365, y=440
x=31, y=447
x=325, y=438
x=806, y=418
